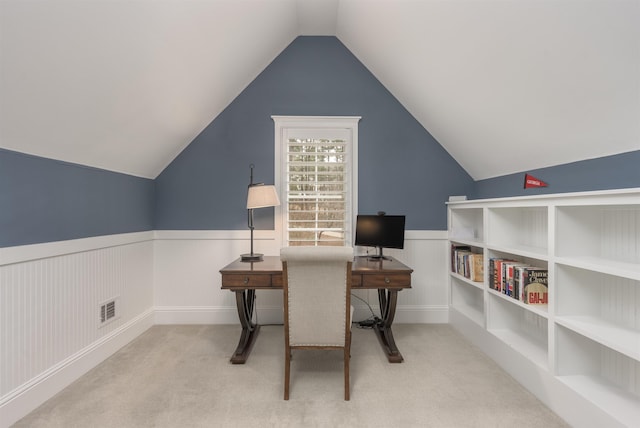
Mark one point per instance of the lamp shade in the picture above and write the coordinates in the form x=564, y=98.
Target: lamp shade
x=261, y=196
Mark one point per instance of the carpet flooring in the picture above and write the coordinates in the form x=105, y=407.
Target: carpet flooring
x=180, y=376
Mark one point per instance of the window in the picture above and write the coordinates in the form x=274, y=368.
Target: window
x=316, y=160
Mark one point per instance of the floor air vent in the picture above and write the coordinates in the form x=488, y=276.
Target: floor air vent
x=109, y=311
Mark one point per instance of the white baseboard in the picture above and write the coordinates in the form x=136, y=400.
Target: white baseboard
x=195, y=315
x=21, y=401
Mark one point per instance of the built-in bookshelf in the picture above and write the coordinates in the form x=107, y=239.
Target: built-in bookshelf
x=583, y=345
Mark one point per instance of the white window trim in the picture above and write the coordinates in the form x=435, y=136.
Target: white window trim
x=282, y=123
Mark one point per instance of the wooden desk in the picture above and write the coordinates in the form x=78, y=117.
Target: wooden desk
x=244, y=278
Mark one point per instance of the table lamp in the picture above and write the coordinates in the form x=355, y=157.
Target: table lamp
x=259, y=195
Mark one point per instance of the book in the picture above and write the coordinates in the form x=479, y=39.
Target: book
x=455, y=250
x=535, y=286
x=463, y=263
x=476, y=265
x=518, y=280
x=497, y=269
x=510, y=277
x=500, y=274
x=492, y=273
x=467, y=263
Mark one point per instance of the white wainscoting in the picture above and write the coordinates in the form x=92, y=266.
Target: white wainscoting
x=187, y=278
x=50, y=330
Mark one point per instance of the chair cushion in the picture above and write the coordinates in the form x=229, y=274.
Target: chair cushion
x=317, y=294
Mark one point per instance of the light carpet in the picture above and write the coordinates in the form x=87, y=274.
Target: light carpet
x=180, y=376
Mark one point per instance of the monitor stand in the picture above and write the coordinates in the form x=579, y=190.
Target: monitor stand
x=378, y=257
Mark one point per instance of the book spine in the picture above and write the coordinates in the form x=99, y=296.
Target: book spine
x=518, y=280
x=503, y=285
x=492, y=273
x=477, y=271
x=498, y=283
x=512, y=276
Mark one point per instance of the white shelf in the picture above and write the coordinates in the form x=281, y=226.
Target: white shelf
x=519, y=227
x=587, y=339
x=521, y=250
x=463, y=241
x=528, y=346
x=540, y=310
x=521, y=329
x=622, y=405
x=602, y=265
x=478, y=285
x=609, y=232
x=623, y=340
x=467, y=298
x=470, y=312
x=467, y=225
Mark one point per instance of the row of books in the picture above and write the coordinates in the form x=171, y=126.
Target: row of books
x=467, y=263
x=519, y=280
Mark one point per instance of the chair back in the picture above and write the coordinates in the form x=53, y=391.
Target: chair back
x=317, y=291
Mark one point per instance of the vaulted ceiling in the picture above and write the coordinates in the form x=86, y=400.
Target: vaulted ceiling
x=504, y=85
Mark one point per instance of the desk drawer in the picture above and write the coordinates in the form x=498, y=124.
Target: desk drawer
x=244, y=281
x=276, y=281
x=387, y=281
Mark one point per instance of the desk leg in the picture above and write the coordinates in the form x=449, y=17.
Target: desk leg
x=244, y=303
x=388, y=300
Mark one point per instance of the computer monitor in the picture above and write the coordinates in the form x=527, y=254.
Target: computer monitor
x=380, y=231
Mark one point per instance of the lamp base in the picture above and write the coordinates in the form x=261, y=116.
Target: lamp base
x=253, y=257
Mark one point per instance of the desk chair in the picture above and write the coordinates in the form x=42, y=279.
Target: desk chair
x=317, y=303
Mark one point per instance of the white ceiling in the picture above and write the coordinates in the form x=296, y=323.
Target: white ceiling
x=503, y=85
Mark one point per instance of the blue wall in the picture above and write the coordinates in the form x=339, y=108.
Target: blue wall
x=402, y=169
x=43, y=200
x=610, y=172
